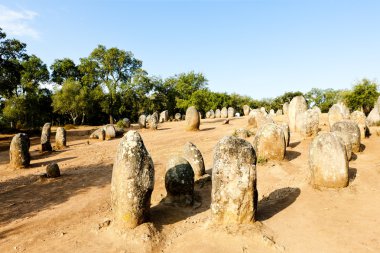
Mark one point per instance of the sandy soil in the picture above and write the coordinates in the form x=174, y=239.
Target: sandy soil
x=72, y=213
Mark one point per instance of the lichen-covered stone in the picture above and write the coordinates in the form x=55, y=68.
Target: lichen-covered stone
x=212, y=114
x=153, y=121
x=307, y=123
x=19, y=156
x=328, y=162
x=126, y=123
x=352, y=129
x=241, y=133
x=344, y=138
x=359, y=118
x=279, y=112
x=192, y=154
x=142, y=121
x=60, y=138
x=286, y=130
x=192, y=119
x=230, y=112
x=45, y=138
x=52, y=170
x=217, y=113
x=234, y=195
x=373, y=118
x=338, y=112
x=297, y=105
x=110, y=132
x=269, y=142
x=164, y=116
x=132, y=182
x=285, y=108
x=224, y=113
x=257, y=119
x=179, y=181
x=317, y=109
x=99, y=133
x=246, y=110
x=177, y=116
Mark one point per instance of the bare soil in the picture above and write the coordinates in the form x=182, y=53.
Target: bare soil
x=73, y=214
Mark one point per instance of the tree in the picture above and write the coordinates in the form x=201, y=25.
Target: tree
x=64, y=69
x=363, y=96
x=324, y=99
x=111, y=68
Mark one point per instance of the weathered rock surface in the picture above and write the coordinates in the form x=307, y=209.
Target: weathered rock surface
x=52, y=170
x=257, y=119
x=164, y=116
x=297, y=105
x=45, y=138
x=192, y=119
x=212, y=114
x=179, y=181
x=231, y=112
x=285, y=108
x=126, y=123
x=359, y=118
x=177, y=116
x=142, y=121
x=269, y=142
x=19, y=156
x=234, y=194
x=246, y=110
x=60, y=138
x=344, y=138
x=99, y=133
x=307, y=123
x=279, y=112
x=286, y=130
x=218, y=113
x=328, y=162
x=373, y=118
x=132, y=182
x=338, y=112
x=352, y=129
x=224, y=113
x=192, y=154
x=110, y=132
x=153, y=121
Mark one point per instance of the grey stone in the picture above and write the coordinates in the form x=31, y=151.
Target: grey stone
x=285, y=108
x=352, y=129
x=307, y=123
x=230, y=112
x=373, y=118
x=224, y=113
x=344, y=138
x=52, y=170
x=177, y=116
x=142, y=121
x=286, y=130
x=99, y=133
x=192, y=119
x=19, y=156
x=126, y=123
x=296, y=106
x=246, y=110
x=110, y=132
x=45, y=138
x=192, y=154
x=153, y=121
x=360, y=119
x=269, y=142
x=60, y=138
x=164, y=116
x=217, y=113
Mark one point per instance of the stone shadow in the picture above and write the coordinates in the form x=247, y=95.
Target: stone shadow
x=294, y=144
x=207, y=129
x=291, y=155
x=276, y=201
x=39, y=164
x=352, y=174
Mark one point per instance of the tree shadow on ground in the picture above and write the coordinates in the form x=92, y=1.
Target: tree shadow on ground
x=276, y=201
x=39, y=164
x=294, y=144
x=163, y=214
x=291, y=155
x=27, y=195
x=352, y=174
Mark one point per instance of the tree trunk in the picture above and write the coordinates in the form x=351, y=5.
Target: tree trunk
x=83, y=115
x=111, y=119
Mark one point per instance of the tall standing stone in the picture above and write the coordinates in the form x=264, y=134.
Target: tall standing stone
x=153, y=121
x=373, y=117
x=269, y=142
x=45, y=138
x=132, y=182
x=231, y=112
x=352, y=129
x=60, y=138
x=192, y=119
x=217, y=113
x=212, y=114
x=359, y=118
x=338, y=112
x=192, y=154
x=328, y=162
x=286, y=130
x=307, y=123
x=224, y=113
x=234, y=194
x=296, y=106
x=142, y=121
x=110, y=132
x=285, y=108
x=19, y=155
x=279, y=112
x=164, y=116
x=246, y=110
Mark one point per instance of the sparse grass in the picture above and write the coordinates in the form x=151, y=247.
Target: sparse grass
x=261, y=160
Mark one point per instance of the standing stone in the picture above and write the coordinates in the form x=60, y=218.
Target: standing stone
x=328, y=162
x=217, y=113
x=241, y=133
x=60, y=138
x=296, y=106
x=153, y=121
x=192, y=154
x=177, y=116
x=208, y=114
x=285, y=108
x=269, y=142
x=164, y=116
x=360, y=119
x=45, y=138
x=271, y=112
x=99, y=133
x=373, y=118
x=212, y=114
x=224, y=113
x=132, y=182
x=246, y=110
x=279, y=112
x=142, y=121
x=307, y=123
x=19, y=156
x=183, y=117
x=179, y=181
x=317, y=109
x=344, y=138
x=52, y=170
x=338, y=112
x=110, y=132
x=257, y=119
x=262, y=109
x=126, y=123
x=286, y=130
x=230, y=112
x=352, y=129
x=192, y=119
x=234, y=194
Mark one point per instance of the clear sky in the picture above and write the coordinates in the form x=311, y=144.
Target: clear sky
x=259, y=48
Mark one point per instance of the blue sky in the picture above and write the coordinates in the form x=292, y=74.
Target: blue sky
x=259, y=48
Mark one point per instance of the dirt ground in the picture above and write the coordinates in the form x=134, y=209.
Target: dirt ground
x=72, y=213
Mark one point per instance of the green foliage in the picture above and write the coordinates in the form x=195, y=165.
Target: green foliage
x=64, y=69
x=324, y=99
x=363, y=95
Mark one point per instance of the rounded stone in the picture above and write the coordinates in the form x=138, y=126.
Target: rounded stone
x=285, y=108
x=132, y=182
x=246, y=110
x=208, y=114
x=224, y=113
x=257, y=119
x=352, y=129
x=179, y=181
x=212, y=114
x=192, y=119
x=360, y=119
x=286, y=130
x=279, y=112
x=269, y=142
x=45, y=138
x=307, y=123
x=164, y=116
x=297, y=105
x=60, y=138
x=177, y=116
x=373, y=118
x=192, y=154
x=19, y=156
x=338, y=112
x=126, y=123
x=217, y=113
x=142, y=121
x=153, y=121
x=110, y=132
x=234, y=194
x=230, y=112
x=52, y=170
x=344, y=138
x=328, y=162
